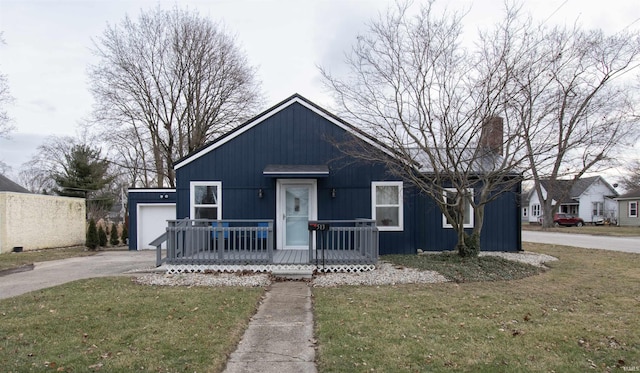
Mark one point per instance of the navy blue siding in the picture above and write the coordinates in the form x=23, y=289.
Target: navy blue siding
x=148, y=196
x=297, y=135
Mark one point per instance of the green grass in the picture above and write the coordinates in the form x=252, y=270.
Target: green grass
x=114, y=325
x=15, y=260
x=598, y=230
x=581, y=315
x=458, y=269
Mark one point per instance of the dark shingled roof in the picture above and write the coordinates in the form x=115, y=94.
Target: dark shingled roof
x=6, y=185
x=630, y=195
x=557, y=189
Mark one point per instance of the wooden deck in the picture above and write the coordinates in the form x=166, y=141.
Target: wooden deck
x=279, y=257
x=202, y=242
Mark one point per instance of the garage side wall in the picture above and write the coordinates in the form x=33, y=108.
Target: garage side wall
x=35, y=221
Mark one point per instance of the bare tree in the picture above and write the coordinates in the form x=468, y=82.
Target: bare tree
x=439, y=108
x=174, y=81
x=73, y=167
x=631, y=181
x=576, y=106
x=37, y=174
x=5, y=99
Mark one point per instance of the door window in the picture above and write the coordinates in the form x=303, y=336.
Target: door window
x=296, y=215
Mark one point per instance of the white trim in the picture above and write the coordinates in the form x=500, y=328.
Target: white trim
x=313, y=205
x=192, y=207
x=296, y=173
x=535, y=210
x=266, y=116
x=399, y=185
x=266, y=268
x=445, y=224
x=138, y=205
x=151, y=190
x=629, y=209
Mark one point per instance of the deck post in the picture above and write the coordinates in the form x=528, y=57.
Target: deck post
x=219, y=237
x=270, y=238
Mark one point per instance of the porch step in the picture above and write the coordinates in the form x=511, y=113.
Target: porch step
x=293, y=274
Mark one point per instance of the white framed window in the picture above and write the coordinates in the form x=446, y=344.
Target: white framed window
x=206, y=200
x=525, y=212
x=598, y=209
x=535, y=210
x=452, y=198
x=633, y=209
x=386, y=205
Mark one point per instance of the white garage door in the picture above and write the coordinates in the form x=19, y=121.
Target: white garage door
x=152, y=222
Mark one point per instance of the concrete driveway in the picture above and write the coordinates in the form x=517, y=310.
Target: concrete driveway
x=625, y=244
x=56, y=272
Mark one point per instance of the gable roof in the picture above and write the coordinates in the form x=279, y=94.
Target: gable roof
x=296, y=98
x=6, y=185
x=557, y=189
x=634, y=194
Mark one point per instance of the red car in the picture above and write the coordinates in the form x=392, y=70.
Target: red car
x=567, y=220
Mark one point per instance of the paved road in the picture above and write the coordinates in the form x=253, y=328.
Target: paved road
x=56, y=272
x=625, y=244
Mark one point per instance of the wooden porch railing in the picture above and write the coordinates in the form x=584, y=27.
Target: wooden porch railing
x=204, y=241
x=343, y=242
x=251, y=242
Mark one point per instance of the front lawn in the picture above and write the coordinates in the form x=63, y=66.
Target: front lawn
x=581, y=315
x=114, y=325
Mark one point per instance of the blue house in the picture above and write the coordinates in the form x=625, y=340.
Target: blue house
x=281, y=182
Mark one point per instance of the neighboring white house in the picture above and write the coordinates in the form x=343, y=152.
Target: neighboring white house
x=590, y=198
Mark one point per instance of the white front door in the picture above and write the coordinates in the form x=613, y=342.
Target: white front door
x=295, y=206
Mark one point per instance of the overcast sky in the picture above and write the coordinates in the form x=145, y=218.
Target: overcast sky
x=48, y=47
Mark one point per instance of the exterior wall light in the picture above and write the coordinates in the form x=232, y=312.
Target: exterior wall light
x=260, y=193
x=333, y=192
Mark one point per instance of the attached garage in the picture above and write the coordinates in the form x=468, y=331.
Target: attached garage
x=149, y=210
x=152, y=222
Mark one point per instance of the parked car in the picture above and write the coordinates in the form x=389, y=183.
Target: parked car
x=567, y=220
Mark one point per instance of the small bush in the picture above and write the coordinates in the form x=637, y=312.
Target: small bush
x=102, y=237
x=92, y=235
x=125, y=234
x=113, y=236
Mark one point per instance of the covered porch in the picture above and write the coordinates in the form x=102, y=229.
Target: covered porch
x=198, y=245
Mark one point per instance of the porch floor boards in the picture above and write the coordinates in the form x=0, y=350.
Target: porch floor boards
x=279, y=257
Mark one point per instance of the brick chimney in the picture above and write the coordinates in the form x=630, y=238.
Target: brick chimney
x=491, y=137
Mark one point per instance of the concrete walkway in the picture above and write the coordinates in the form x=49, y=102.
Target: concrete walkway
x=279, y=338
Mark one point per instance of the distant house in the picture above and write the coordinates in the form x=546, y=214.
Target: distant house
x=7, y=185
x=590, y=198
x=628, y=208
x=524, y=206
